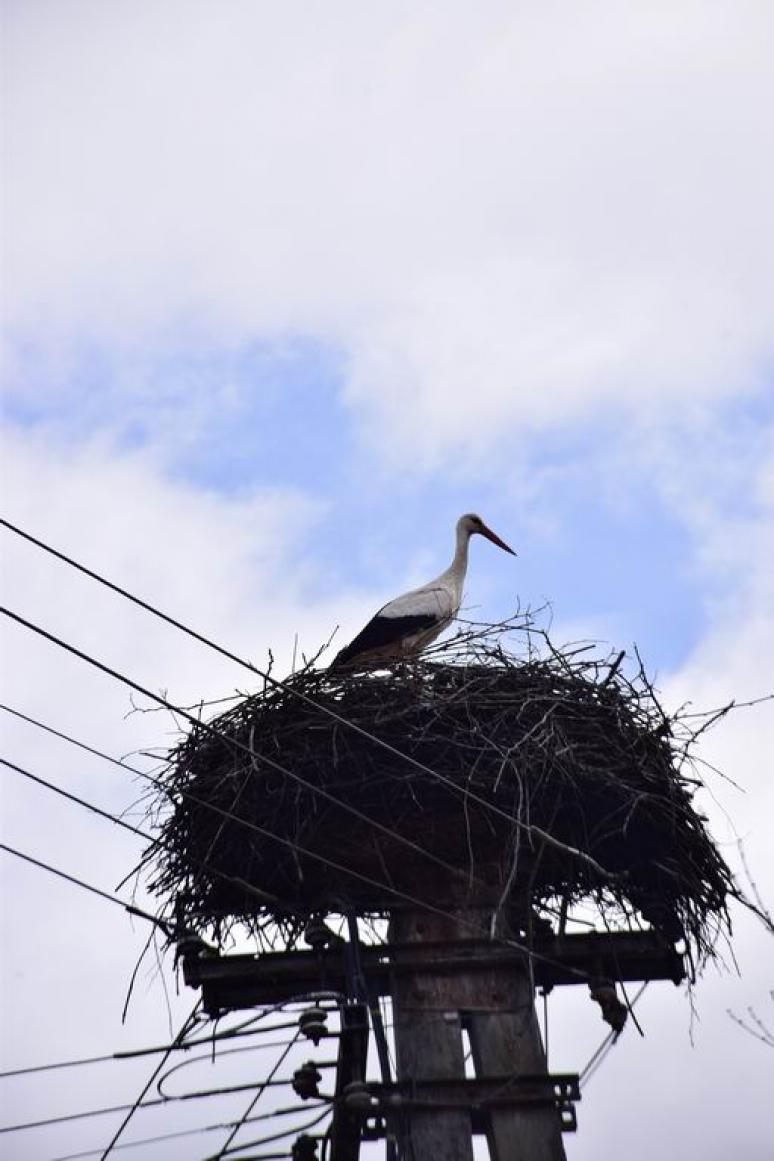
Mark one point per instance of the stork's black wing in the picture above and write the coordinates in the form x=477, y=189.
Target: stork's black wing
x=382, y=631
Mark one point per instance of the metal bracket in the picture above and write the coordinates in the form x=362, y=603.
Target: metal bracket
x=241, y=981
x=477, y=1095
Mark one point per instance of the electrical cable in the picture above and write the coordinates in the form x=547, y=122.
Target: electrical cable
x=288, y=688
x=118, y=821
x=259, y=1093
x=154, y=1102
x=189, y=1022
x=122, y=1056
x=264, y=834
x=237, y=1032
x=79, y=1062
x=263, y=674
x=209, y=729
x=81, y=802
x=186, y=1133
x=178, y=1045
x=87, y=887
x=274, y=1137
x=190, y=1062
x=230, y=1033
x=424, y=905
x=468, y=794
x=208, y=1092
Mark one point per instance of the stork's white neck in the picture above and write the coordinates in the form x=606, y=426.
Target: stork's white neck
x=460, y=563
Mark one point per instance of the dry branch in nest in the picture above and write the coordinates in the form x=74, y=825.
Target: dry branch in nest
x=505, y=780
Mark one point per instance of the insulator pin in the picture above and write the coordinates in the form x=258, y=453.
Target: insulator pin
x=305, y=1081
x=304, y=1148
x=312, y=1023
x=357, y=1097
x=318, y=935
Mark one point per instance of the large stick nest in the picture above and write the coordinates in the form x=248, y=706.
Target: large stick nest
x=546, y=778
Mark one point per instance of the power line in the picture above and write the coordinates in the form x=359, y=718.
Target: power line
x=469, y=794
x=120, y=822
x=120, y=1057
x=423, y=904
x=246, y=749
x=259, y=1093
x=187, y=1023
x=56, y=1064
x=187, y=1132
x=241, y=821
x=113, y=818
x=272, y=1137
x=155, y=1102
x=227, y=814
x=135, y=1053
x=263, y=674
x=265, y=834
x=592, y=1065
x=197, y=1094
x=80, y=801
x=130, y=907
x=75, y=742
x=271, y=762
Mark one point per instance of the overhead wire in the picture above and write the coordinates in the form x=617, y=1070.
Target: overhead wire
x=215, y=1128
x=208, y=1092
x=188, y=1022
x=287, y=687
x=130, y=907
x=273, y=1137
x=154, y=1102
x=156, y=842
x=212, y=731
x=239, y=1031
x=265, y=833
x=177, y=1046
x=90, y=806
x=276, y=683
x=120, y=1057
x=261, y=1089
x=471, y=925
x=258, y=829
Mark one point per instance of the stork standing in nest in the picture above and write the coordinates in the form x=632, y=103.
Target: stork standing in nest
x=405, y=626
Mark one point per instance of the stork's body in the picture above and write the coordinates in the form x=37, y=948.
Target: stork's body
x=408, y=624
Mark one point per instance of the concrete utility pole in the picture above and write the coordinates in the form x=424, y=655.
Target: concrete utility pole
x=495, y=1006
x=443, y=984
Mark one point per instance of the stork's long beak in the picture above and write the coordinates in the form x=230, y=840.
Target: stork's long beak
x=490, y=535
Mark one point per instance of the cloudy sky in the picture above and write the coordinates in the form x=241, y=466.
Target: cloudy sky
x=286, y=289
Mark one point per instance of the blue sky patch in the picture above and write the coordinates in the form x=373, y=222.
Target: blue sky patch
x=586, y=509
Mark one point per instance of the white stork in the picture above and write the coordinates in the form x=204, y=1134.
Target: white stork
x=406, y=625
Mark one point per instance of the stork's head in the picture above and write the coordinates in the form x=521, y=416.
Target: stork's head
x=470, y=524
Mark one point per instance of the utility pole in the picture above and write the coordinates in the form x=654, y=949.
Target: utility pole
x=442, y=983
x=495, y=1007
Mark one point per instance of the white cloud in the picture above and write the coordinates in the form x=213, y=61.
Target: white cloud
x=225, y=567
x=527, y=211
x=666, y=1085
x=533, y=211
x=220, y=565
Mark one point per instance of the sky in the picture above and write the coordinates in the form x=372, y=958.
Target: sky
x=286, y=289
